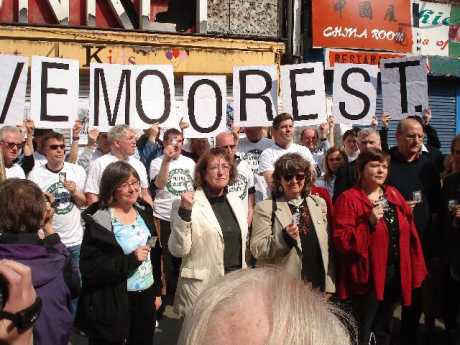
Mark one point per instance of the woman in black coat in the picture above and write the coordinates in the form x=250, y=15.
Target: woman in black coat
x=119, y=263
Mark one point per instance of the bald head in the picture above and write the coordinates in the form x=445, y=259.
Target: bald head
x=409, y=135
x=263, y=306
x=309, y=138
x=226, y=141
x=407, y=123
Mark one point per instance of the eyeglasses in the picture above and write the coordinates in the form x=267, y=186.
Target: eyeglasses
x=224, y=167
x=55, y=147
x=126, y=185
x=228, y=147
x=298, y=177
x=13, y=145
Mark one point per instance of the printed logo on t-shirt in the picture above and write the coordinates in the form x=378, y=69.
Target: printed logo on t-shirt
x=240, y=186
x=179, y=181
x=252, y=158
x=62, y=198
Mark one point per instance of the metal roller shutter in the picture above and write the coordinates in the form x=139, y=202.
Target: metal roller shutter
x=442, y=100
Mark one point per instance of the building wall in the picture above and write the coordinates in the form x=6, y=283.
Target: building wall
x=244, y=17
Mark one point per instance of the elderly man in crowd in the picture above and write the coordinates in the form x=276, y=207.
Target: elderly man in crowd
x=264, y=306
x=11, y=143
x=414, y=174
x=249, y=150
x=243, y=185
x=122, y=147
x=283, y=136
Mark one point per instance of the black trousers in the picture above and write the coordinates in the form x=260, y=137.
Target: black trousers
x=142, y=320
x=375, y=318
x=171, y=264
x=453, y=303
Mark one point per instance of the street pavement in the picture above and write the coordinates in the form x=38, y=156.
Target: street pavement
x=166, y=334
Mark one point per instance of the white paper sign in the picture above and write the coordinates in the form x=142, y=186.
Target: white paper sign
x=303, y=94
x=152, y=88
x=205, y=105
x=354, y=93
x=110, y=95
x=13, y=73
x=255, y=95
x=433, y=29
x=54, y=92
x=404, y=86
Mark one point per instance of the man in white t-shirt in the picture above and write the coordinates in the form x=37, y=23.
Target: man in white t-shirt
x=243, y=185
x=65, y=181
x=171, y=174
x=122, y=147
x=249, y=149
x=283, y=136
x=11, y=143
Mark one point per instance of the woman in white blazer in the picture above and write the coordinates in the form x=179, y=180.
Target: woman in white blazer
x=208, y=229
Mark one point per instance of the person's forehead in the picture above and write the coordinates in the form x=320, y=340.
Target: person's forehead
x=54, y=141
x=287, y=122
x=309, y=132
x=225, y=139
x=11, y=136
x=369, y=137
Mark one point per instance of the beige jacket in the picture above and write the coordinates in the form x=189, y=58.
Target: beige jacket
x=268, y=245
x=200, y=244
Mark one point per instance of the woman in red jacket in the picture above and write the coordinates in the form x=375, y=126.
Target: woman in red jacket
x=381, y=256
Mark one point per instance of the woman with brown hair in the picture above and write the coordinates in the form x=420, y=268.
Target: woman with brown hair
x=333, y=159
x=208, y=229
x=291, y=228
x=119, y=263
x=380, y=256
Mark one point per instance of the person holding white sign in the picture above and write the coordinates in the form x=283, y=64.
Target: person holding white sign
x=171, y=175
x=122, y=140
x=316, y=141
x=243, y=185
x=11, y=145
x=283, y=136
x=249, y=149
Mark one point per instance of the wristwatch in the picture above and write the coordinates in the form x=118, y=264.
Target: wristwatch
x=24, y=319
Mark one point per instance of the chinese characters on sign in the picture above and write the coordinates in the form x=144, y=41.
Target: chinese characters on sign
x=383, y=25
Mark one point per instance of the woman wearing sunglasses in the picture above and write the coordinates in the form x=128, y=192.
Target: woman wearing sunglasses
x=380, y=257
x=291, y=228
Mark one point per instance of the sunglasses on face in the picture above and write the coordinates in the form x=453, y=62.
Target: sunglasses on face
x=298, y=177
x=11, y=146
x=55, y=147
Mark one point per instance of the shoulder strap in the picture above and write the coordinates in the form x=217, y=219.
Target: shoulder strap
x=274, y=208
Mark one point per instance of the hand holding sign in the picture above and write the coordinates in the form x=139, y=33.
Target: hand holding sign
x=385, y=120
x=426, y=116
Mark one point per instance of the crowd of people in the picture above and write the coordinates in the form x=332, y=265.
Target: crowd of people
x=261, y=234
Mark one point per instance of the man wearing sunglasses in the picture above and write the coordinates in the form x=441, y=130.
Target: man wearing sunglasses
x=65, y=181
x=11, y=146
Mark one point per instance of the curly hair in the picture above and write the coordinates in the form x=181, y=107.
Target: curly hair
x=291, y=163
x=202, y=166
x=22, y=206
